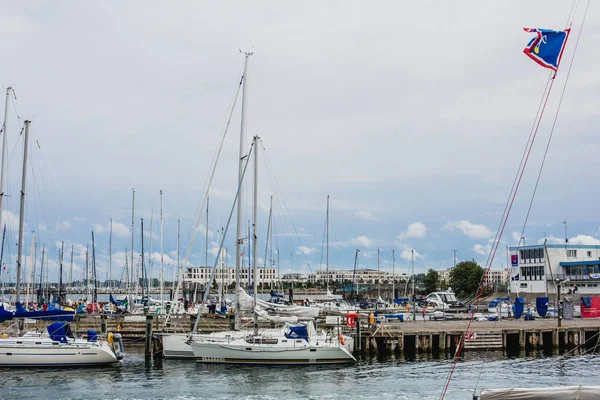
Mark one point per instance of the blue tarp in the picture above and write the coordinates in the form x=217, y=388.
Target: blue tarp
x=519, y=307
x=5, y=315
x=541, y=305
x=50, y=315
x=60, y=331
x=297, y=332
x=92, y=336
x=586, y=301
x=275, y=294
x=117, y=303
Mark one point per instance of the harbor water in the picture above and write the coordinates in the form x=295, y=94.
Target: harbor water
x=383, y=379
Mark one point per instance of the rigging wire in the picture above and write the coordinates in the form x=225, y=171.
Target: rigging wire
x=498, y=237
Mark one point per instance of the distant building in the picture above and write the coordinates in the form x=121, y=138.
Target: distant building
x=494, y=276
x=366, y=275
x=535, y=271
x=226, y=275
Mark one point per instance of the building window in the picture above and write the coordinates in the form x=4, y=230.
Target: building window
x=523, y=286
x=571, y=253
x=589, y=254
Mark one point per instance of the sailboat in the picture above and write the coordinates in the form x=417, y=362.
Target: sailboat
x=57, y=346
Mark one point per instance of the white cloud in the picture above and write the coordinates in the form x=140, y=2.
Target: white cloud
x=361, y=241
x=366, y=215
x=119, y=229
x=305, y=250
x=407, y=254
x=414, y=230
x=482, y=249
x=63, y=226
x=473, y=231
x=516, y=236
x=584, y=240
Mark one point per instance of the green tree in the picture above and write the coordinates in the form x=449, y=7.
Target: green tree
x=430, y=281
x=466, y=277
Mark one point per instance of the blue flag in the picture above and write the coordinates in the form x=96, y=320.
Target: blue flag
x=547, y=47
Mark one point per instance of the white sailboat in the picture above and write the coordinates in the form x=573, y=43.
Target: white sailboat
x=58, y=346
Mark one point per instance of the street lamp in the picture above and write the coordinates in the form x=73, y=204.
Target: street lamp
x=559, y=308
x=454, y=258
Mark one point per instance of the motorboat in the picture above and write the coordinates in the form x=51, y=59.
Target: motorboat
x=445, y=301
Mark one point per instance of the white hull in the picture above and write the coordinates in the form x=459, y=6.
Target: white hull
x=294, y=352
x=43, y=352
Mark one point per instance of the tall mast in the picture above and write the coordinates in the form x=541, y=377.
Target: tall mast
x=87, y=269
x=71, y=269
x=3, y=162
x=131, y=275
x=394, y=276
x=240, y=201
x=143, y=284
x=31, y=268
x=412, y=252
x=109, y=255
x=162, y=261
x=178, y=263
x=327, y=247
x=254, y=233
x=378, y=277
x=41, y=288
x=206, y=238
x=60, y=271
x=149, y=271
x=22, y=212
x=95, y=298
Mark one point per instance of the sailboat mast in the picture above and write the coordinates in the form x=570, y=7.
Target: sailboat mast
x=162, y=261
x=31, y=268
x=3, y=162
x=240, y=201
x=95, y=298
x=378, y=277
x=143, y=284
x=254, y=233
x=71, y=269
x=109, y=255
x=394, y=276
x=327, y=246
x=206, y=236
x=87, y=269
x=131, y=275
x=412, y=252
x=60, y=271
x=22, y=212
x=178, y=262
x=149, y=271
x=41, y=289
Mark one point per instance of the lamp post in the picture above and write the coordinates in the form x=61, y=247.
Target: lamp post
x=454, y=251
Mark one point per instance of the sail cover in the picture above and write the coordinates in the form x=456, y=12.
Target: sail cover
x=547, y=393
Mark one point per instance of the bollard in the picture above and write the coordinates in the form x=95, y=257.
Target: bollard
x=103, y=324
x=148, y=345
x=357, y=340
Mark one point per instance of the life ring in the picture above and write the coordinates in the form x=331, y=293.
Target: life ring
x=350, y=319
x=342, y=340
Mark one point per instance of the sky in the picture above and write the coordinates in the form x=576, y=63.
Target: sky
x=411, y=116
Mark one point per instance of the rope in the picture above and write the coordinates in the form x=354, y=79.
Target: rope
x=499, y=236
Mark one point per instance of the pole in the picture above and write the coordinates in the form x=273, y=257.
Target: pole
x=559, y=308
x=254, y=233
x=162, y=262
x=144, y=274
x=378, y=277
x=22, y=212
x=412, y=252
x=394, y=276
x=95, y=297
x=2, y=168
x=60, y=272
x=71, y=269
x=31, y=267
x=240, y=202
x=131, y=275
x=149, y=271
x=454, y=251
x=41, y=288
x=178, y=258
x=110, y=254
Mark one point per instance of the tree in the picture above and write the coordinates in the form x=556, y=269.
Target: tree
x=430, y=281
x=466, y=277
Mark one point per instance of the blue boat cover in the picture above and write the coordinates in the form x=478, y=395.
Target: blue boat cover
x=541, y=305
x=275, y=294
x=50, y=315
x=586, y=301
x=519, y=307
x=5, y=315
x=297, y=332
x=60, y=331
x=92, y=336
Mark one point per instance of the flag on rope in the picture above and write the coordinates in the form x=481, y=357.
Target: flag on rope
x=547, y=47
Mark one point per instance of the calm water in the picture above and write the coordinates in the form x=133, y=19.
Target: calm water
x=390, y=379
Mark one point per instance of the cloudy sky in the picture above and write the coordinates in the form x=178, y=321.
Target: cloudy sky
x=411, y=116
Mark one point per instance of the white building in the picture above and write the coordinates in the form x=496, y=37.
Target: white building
x=366, y=275
x=534, y=269
x=493, y=276
x=226, y=275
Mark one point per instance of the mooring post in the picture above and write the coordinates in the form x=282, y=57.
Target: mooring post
x=103, y=324
x=358, y=340
x=148, y=347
